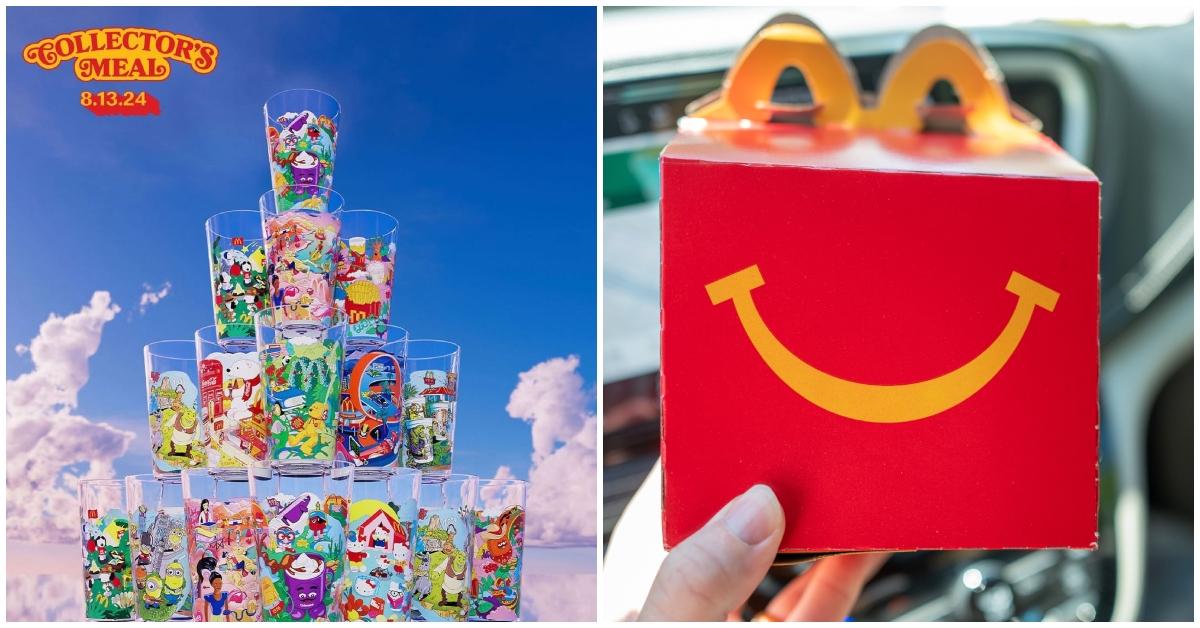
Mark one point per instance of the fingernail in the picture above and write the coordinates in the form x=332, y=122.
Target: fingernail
x=753, y=516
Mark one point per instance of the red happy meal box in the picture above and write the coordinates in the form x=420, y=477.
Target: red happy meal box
x=895, y=329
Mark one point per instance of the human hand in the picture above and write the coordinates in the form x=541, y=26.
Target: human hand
x=711, y=574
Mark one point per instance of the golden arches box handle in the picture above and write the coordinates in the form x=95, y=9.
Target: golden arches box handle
x=786, y=41
x=935, y=54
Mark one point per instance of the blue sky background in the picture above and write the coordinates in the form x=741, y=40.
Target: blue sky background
x=475, y=128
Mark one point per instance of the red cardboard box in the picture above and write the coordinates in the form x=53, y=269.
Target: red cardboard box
x=895, y=329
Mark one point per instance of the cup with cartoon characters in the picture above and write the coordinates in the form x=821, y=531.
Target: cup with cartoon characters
x=366, y=265
x=430, y=404
x=498, y=549
x=221, y=523
x=300, y=242
x=232, y=399
x=173, y=404
x=302, y=364
x=158, y=547
x=370, y=419
x=107, y=562
x=302, y=541
x=443, y=549
x=378, y=578
x=302, y=126
x=237, y=272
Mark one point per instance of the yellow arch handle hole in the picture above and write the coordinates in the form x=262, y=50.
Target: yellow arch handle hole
x=872, y=402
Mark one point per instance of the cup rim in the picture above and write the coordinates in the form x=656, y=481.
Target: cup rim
x=339, y=319
x=151, y=349
x=272, y=193
x=102, y=481
x=336, y=102
x=503, y=481
x=372, y=338
x=390, y=232
x=208, y=223
x=219, y=342
x=376, y=474
x=301, y=467
x=220, y=473
x=457, y=349
x=150, y=477
x=448, y=478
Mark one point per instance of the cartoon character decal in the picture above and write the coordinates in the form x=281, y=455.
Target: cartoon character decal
x=302, y=558
x=233, y=405
x=429, y=407
x=160, y=579
x=223, y=559
x=305, y=168
x=370, y=421
x=301, y=151
x=107, y=566
x=239, y=278
x=365, y=269
x=442, y=565
x=300, y=252
x=303, y=391
x=378, y=582
x=496, y=581
x=176, y=436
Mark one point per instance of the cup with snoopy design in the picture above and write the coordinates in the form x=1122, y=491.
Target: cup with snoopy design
x=107, y=577
x=237, y=264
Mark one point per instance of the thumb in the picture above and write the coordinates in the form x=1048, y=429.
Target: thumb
x=716, y=569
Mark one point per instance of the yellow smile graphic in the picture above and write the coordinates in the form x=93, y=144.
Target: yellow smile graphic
x=872, y=402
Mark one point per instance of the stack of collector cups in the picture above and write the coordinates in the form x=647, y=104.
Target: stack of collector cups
x=260, y=421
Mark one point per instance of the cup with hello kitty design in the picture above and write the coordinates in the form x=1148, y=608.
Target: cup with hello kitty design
x=379, y=579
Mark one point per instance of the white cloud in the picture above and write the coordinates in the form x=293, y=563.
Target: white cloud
x=150, y=296
x=559, y=584
x=563, y=597
x=562, y=493
x=505, y=472
x=44, y=597
x=46, y=439
x=492, y=497
x=43, y=581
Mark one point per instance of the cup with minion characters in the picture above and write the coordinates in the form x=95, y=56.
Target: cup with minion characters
x=158, y=546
